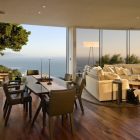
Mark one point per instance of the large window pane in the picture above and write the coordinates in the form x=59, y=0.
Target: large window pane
x=86, y=35
x=44, y=43
x=134, y=47
x=114, y=46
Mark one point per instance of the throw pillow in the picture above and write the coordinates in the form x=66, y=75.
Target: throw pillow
x=110, y=69
x=101, y=75
x=126, y=71
x=119, y=70
x=111, y=76
x=136, y=70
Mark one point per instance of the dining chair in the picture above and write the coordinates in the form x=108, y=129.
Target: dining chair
x=14, y=97
x=68, y=77
x=61, y=102
x=12, y=84
x=79, y=84
x=32, y=72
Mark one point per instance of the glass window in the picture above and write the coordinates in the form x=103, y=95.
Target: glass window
x=83, y=37
x=114, y=46
x=134, y=46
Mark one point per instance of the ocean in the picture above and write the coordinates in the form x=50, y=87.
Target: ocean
x=57, y=66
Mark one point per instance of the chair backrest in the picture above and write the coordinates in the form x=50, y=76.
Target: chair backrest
x=32, y=72
x=5, y=88
x=61, y=102
x=68, y=77
x=80, y=83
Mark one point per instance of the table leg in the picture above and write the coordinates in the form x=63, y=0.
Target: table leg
x=36, y=114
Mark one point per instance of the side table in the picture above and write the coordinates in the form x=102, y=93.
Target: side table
x=119, y=93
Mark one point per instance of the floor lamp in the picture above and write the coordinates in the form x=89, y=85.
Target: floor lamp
x=91, y=46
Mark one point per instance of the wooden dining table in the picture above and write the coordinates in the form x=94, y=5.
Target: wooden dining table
x=40, y=87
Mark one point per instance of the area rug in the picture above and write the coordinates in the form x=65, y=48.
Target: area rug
x=89, y=98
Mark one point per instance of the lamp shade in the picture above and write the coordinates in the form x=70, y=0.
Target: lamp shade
x=90, y=44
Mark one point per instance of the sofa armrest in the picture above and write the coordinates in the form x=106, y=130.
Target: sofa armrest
x=105, y=81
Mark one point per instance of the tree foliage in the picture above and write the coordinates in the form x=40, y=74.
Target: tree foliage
x=133, y=59
x=13, y=72
x=12, y=36
x=117, y=58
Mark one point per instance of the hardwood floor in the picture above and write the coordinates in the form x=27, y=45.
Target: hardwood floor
x=98, y=123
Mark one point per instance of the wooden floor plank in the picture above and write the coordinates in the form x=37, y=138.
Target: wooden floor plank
x=98, y=123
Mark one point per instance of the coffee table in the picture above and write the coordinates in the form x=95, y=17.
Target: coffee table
x=134, y=84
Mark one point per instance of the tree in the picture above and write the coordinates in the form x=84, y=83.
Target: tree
x=105, y=59
x=12, y=36
x=116, y=59
x=133, y=59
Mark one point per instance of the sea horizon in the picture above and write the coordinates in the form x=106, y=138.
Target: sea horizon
x=57, y=65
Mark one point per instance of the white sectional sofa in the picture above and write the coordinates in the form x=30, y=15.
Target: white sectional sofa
x=101, y=88
x=125, y=71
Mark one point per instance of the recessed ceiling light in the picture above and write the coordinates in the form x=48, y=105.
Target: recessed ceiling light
x=39, y=12
x=137, y=17
x=2, y=12
x=43, y=6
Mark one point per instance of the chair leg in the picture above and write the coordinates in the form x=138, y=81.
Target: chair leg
x=5, y=110
x=30, y=110
x=75, y=104
x=7, y=116
x=44, y=119
x=5, y=104
x=51, y=127
x=81, y=105
x=26, y=107
x=71, y=122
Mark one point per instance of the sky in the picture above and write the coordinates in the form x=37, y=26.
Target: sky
x=47, y=41
x=44, y=41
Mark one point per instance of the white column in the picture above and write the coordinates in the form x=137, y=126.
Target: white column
x=71, y=51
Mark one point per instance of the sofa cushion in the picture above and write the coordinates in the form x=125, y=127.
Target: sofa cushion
x=111, y=76
x=101, y=75
x=119, y=70
x=136, y=70
x=126, y=71
x=109, y=69
x=95, y=70
x=87, y=68
x=107, y=75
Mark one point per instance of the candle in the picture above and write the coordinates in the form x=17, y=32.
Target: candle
x=41, y=68
x=49, y=68
x=49, y=79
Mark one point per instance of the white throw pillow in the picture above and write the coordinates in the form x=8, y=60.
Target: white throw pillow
x=110, y=69
x=119, y=70
x=111, y=76
x=101, y=75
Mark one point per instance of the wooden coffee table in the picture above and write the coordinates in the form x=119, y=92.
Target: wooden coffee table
x=134, y=84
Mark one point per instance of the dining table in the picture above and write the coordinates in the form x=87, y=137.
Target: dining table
x=39, y=86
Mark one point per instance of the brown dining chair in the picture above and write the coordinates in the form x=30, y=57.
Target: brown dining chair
x=79, y=84
x=68, y=77
x=14, y=97
x=32, y=72
x=61, y=102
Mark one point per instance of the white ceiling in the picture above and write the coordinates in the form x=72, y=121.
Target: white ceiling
x=108, y=14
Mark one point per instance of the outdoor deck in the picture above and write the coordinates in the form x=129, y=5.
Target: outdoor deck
x=98, y=123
